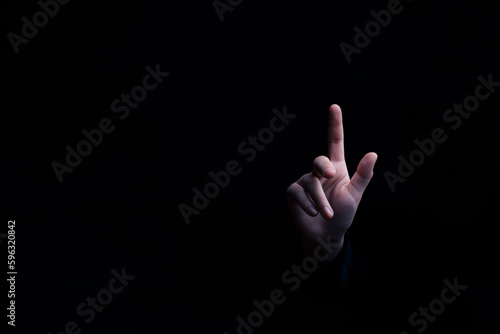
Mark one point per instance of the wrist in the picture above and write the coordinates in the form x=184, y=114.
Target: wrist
x=324, y=249
x=335, y=244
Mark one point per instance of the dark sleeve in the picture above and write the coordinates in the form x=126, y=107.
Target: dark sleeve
x=328, y=300
x=340, y=280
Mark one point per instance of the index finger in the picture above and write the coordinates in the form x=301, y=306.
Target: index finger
x=335, y=134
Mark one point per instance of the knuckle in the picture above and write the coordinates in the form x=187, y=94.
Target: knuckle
x=292, y=188
x=309, y=178
x=320, y=160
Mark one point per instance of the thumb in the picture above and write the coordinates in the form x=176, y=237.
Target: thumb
x=363, y=175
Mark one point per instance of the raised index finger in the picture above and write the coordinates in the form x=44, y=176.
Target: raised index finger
x=335, y=134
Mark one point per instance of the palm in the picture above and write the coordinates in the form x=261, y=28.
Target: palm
x=344, y=206
x=336, y=190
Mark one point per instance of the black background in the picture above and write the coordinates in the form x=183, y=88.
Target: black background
x=119, y=208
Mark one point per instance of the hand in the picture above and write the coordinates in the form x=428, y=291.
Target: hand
x=324, y=201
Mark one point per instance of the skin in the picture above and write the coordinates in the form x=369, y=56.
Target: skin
x=323, y=202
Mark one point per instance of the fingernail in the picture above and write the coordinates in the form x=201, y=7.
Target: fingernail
x=328, y=211
x=313, y=210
